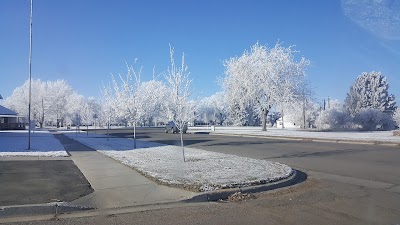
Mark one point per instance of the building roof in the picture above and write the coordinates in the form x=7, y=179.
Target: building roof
x=5, y=111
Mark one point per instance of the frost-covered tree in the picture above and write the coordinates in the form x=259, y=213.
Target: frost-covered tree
x=94, y=107
x=396, y=116
x=221, y=107
x=369, y=91
x=212, y=109
x=261, y=79
x=86, y=115
x=237, y=106
x=59, y=92
x=179, y=83
x=80, y=111
x=127, y=101
x=304, y=113
x=18, y=101
x=106, y=104
x=74, y=109
x=153, y=95
x=107, y=114
x=372, y=119
x=49, y=100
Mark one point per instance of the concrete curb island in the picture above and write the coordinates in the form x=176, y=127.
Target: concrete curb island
x=222, y=194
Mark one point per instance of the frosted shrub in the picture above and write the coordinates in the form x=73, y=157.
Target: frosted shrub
x=387, y=122
x=334, y=119
x=396, y=116
x=373, y=119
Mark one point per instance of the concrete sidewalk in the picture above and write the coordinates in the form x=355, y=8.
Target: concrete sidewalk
x=115, y=184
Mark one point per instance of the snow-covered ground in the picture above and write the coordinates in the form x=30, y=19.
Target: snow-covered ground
x=357, y=136
x=43, y=143
x=202, y=171
x=73, y=128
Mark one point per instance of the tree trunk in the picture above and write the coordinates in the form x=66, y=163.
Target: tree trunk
x=304, y=117
x=183, y=149
x=283, y=122
x=264, y=120
x=42, y=119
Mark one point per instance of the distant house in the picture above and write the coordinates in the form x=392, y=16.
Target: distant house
x=288, y=122
x=9, y=120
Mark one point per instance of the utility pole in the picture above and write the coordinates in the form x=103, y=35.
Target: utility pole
x=304, y=109
x=304, y=114
x=30, y=79
x=329, y=103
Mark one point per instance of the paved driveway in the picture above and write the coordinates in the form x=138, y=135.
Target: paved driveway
x=32, y=181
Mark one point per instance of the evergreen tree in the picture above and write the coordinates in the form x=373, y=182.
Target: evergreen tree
x=369, y=91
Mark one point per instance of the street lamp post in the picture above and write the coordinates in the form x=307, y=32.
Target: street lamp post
x=30, y=79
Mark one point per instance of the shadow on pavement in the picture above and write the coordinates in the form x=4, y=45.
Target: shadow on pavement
x=223, y=194
x=319, y=154
x=71, y=145
x=178, y=142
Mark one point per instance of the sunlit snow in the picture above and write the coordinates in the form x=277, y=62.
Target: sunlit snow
x=43, y=143
x=202, y=171
x=356, y=136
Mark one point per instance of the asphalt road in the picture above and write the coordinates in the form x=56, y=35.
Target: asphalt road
x=348, y=184
x=313, y=202
x=372, y=163
x=354, y=183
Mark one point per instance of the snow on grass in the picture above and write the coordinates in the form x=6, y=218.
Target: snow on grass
x=43, y=143
x=357, y=136
x=203, y=171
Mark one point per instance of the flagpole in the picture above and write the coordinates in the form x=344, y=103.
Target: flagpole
x=30, y=79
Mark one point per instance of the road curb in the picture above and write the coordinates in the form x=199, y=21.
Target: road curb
x=312, y=139
x=52, y=208
x=296, y=177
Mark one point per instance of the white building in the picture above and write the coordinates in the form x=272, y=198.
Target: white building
x=288, y=122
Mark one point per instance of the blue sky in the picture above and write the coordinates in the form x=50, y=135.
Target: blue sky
x=84, y=41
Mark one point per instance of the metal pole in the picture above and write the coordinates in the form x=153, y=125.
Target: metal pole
x=30, y=79
x=108, y=127
x=304, y=114
x=304, y=109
